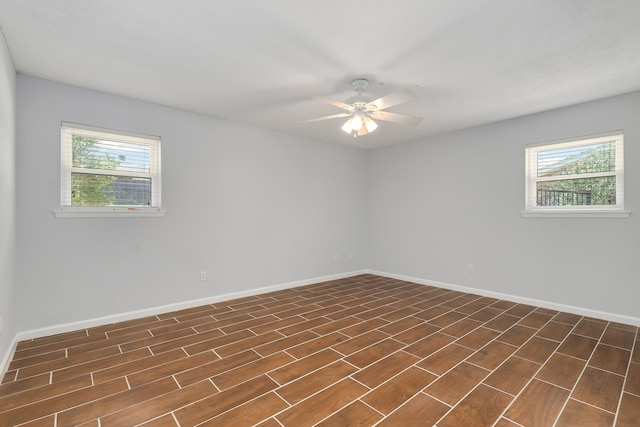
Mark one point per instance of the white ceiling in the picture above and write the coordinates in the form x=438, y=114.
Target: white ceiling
x=259, y=62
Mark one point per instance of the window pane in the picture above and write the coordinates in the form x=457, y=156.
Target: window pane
x=93, y=153
x=575, y=192
x=109, y=190
x=600, y=157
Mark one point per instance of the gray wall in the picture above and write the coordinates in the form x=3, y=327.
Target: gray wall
x=7, y=195
x=251, y=206
x=258, y=208
x=439, y=204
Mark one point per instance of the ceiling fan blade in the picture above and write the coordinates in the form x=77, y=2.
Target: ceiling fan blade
x=335, y=116
x=336, y=103
x=391, y=100
x=396, y=118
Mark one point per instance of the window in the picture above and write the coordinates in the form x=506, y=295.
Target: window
x=582, y=177
x=108, y=173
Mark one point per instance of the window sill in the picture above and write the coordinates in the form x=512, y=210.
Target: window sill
x=575, y=214
x=75, y=213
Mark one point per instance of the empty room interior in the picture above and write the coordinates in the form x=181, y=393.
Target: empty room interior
x=332, y=213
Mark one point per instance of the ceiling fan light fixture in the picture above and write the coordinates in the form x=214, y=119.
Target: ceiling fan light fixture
x=359, y=125
x=356, y=121
x=347, y=126
x=370, y=124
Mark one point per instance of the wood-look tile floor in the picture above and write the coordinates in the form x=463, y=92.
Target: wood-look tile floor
x=361, y=351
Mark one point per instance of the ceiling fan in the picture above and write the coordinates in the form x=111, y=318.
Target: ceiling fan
x=362, y=113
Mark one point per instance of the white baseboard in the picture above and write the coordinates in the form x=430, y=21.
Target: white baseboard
x=84, y=324
x=612, y=317
x=105, y=320
x=8, y=356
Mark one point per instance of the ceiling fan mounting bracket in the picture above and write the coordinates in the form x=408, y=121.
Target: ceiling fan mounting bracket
x=359, y=85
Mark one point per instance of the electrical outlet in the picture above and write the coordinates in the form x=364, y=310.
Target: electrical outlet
x=470, y=268
x=203, y=276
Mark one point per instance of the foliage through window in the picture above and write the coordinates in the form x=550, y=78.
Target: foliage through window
x=577, y=176
x=104, y=170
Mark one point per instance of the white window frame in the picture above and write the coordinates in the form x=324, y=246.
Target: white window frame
x=531, y=179
x=66, y=210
